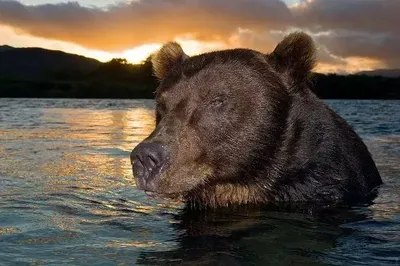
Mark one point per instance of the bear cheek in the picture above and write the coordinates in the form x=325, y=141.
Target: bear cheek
x=186, y=179
x=187, y=166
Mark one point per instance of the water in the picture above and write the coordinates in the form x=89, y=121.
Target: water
x=67, y=197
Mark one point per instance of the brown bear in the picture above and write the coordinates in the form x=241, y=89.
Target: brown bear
x=240, y=127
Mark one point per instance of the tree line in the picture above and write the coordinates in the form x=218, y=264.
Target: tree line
x=118, y=79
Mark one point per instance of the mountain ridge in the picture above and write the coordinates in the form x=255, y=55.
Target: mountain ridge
x=38, y=63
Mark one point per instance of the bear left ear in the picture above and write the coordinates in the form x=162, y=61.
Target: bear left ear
x=166, y=58
x=294, y=56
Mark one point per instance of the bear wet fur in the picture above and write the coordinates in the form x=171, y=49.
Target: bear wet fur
x=242, y=127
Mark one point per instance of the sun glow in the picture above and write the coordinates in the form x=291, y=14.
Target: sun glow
x=16, y=38
x=134, y=55
x=351, y=65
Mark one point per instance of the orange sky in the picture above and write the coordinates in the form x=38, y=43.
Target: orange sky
x=352, y=35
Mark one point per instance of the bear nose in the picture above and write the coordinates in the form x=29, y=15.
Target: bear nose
x=147, y=160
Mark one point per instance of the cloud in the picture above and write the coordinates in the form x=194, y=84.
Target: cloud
x=370, y=16
x=357, y=28
x=379, y=46
x=348, y=32
x=125, y=25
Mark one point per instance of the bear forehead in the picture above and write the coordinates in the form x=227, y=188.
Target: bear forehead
x=248, y=60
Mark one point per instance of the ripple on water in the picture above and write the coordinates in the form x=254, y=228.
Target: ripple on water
x=67, y=197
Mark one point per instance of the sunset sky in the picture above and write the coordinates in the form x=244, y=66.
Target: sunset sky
x=351, y=35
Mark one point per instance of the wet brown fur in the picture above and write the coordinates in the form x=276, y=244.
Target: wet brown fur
x=242, y=127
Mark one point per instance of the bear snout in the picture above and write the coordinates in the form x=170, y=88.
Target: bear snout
x=148, y=161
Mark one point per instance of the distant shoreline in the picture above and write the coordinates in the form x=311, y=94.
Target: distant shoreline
x=40, y=73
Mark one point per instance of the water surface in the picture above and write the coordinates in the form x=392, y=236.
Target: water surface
x=67, y=197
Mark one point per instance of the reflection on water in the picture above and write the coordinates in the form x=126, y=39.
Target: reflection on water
x=85, y=145
x=256, y=237
x=67, y=196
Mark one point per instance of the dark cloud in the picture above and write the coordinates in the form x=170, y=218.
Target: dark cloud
x=356, y=28
x=382, y=47
x=342, y=28
x=370, y=16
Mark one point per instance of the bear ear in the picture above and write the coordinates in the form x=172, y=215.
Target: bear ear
x=295, y=56
x=166, y=58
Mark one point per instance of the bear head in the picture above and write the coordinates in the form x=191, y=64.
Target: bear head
x=220, y=117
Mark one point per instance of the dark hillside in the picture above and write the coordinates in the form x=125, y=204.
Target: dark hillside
x=37, y=63
x=35, y=72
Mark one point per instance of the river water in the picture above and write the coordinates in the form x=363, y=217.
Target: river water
x=67, y=197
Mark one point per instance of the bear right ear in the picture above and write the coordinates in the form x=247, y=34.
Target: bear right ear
x=166, y=58
x=294, y=56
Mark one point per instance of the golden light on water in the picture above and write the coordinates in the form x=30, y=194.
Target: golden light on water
x=84, y=145
x=107, y=137
x=140, y=123
x=135, y=244
x=84, y=153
